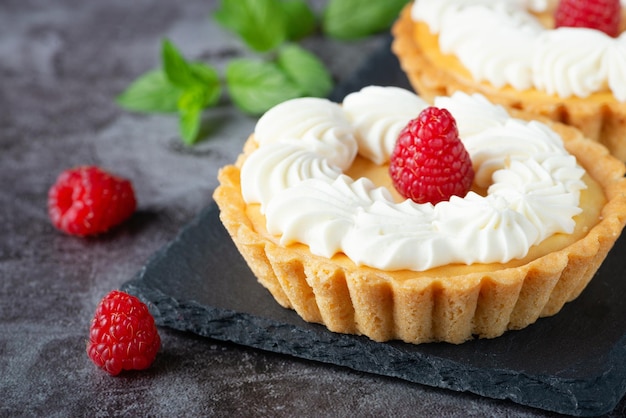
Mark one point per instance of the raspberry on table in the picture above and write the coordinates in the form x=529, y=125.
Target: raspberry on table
x=603, y=15
x=87, y=200
x=123, y=334
x=429, y=162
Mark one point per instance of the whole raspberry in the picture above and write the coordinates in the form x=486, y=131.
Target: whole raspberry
x=123, y=335
x=88, y=201
x=603, y=15
x=429, y=162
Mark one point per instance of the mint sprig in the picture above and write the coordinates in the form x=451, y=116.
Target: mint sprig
x=284, y=71
x=180, y=86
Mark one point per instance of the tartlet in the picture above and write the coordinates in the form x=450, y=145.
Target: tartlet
x=449, y=301
x=598, y=112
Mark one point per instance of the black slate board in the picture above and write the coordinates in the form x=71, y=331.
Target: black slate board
x=572, y=363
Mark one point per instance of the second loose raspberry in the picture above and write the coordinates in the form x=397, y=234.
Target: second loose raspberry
x=123, y=334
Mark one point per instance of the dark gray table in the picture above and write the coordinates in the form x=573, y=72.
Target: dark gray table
x=61, y=64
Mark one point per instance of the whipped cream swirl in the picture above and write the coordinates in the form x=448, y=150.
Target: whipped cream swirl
x=524, y=54
x=533, y=184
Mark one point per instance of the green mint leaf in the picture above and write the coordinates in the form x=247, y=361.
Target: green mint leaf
x=189, y=123
x=306, y=71
x=190, y=106
x=300, y=19
x=352, y=19
x=256, y=86
x=208, y=79
x=176, y=68
x=260, y=23
x=150, y=93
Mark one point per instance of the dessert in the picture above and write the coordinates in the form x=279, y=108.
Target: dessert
x=510, y=52
x=310, y=206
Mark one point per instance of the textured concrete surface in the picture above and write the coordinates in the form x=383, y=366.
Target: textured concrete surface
x=61, y=64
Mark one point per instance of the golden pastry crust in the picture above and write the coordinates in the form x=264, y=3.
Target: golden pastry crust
x=431, y=73
x=450, y=304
